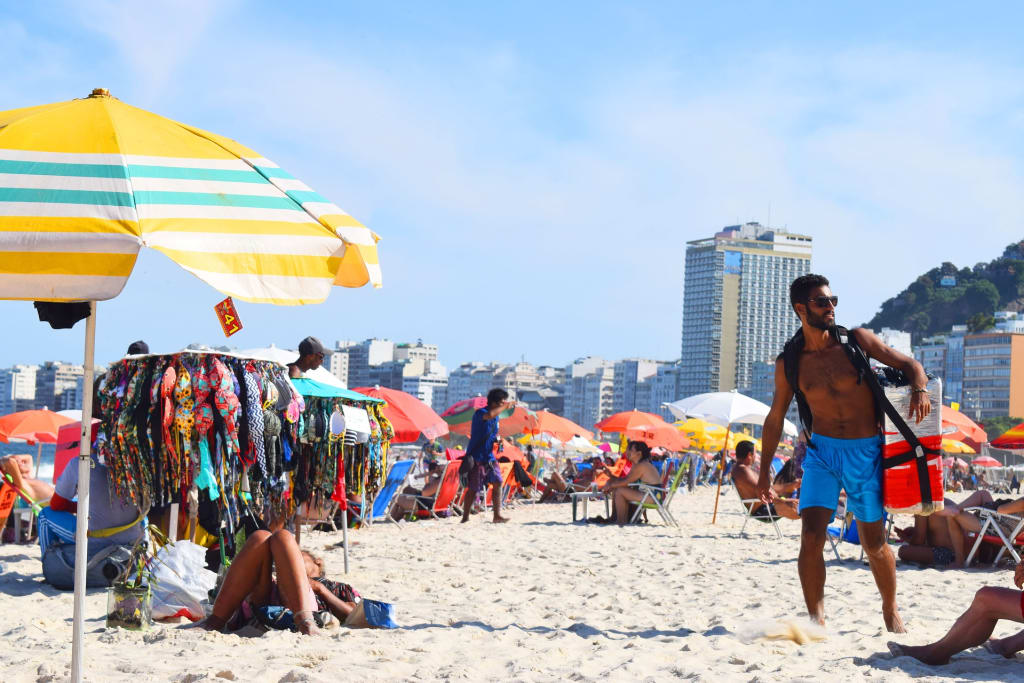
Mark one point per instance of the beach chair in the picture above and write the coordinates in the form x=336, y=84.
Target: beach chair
x=748, y=504
x=380, y=509
x=444, y=497
x=847, y=533
x=506, y=485
x=1006, y=531
x=658, y=498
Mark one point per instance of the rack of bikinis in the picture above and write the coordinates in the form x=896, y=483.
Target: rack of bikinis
x=233, y=435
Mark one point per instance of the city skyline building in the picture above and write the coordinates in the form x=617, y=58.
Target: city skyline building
x=993, y=375
x=736, y=309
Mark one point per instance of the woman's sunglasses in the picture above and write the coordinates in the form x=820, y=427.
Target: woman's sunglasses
x=823, y=301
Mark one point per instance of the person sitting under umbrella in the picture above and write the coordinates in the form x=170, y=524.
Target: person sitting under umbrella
x=622, y=489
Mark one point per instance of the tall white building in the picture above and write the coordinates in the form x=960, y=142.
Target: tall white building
x=589, y=390
x=53, y=379
x=17, y=388
x=736, y=309
x=630, y=373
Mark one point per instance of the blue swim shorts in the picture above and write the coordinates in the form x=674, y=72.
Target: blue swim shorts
x=851, y=464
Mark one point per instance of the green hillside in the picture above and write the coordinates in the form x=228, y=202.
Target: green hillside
x=948, y=295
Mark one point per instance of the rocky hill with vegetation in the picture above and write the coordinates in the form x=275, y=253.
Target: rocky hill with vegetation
x=947, y=296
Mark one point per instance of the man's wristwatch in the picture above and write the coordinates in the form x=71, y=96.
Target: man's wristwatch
x=919, y=391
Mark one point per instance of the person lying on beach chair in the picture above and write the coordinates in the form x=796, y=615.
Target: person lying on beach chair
x=565, y=483
x=974, y=626
x=745, y=479
x=19, y=467
x=962, y=521
x=621, y=488
x=406, y=502
x=271, y=571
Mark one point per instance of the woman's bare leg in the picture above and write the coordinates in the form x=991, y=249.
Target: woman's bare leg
x=292, y=581
x=249, y=574
x=623, y=497
x=972, y=628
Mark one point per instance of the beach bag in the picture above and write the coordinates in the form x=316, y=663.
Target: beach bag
x=104, y=565
x=372, y=614
x=181, y=582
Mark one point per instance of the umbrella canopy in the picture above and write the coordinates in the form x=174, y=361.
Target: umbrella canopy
x=32, y=425
x=511, y=424
x=986, y=461
x=86, y=183
x=962, y=464
x=409, y=416
x=580, y=445
x=462, y=411
x=630, y=419
x=957, y=426
x=561, y=428
x=664, y=436
x=951, y=446
x=725, y=408
x=1011, y=439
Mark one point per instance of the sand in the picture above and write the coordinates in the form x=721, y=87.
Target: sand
x=538, y=599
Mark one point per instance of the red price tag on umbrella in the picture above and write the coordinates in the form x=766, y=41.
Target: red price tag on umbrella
x=228, y=317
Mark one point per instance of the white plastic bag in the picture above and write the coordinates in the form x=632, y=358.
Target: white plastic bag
x=181, y=581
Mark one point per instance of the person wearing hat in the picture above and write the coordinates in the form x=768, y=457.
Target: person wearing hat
x=311, y=356
x=138, y=348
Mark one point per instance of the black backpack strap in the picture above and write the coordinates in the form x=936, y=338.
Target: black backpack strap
x=918, y=451
x=791, y=365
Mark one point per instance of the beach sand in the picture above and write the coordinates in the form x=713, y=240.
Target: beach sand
x=537, y=599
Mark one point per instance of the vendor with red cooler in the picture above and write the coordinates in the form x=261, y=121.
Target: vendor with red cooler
x=826, y=368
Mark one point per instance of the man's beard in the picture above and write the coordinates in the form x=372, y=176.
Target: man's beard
x=819, y=322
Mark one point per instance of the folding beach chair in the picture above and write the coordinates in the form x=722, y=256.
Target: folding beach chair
x=441, y=502
x=380, y=509
x=658, y=498
x=847, y=533
x=1006, y=531
x=748, y=504
x=506, y=485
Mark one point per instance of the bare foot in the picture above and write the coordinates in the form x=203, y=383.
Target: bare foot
x=464, y=520
x=997, y=646
x=818, y=619
x=305, y=623
x=500, y=520
x=920, y=653
x=893, y=621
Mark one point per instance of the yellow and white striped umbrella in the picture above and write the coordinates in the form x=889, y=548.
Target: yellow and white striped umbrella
x=85, y=184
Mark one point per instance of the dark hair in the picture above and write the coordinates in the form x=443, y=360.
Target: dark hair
x=800, y=289
x=744, y=448
x=645, y=450
x=496, y=396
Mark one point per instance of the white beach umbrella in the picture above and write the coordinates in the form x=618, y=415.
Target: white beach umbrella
x=725, y=408
x=580, y=445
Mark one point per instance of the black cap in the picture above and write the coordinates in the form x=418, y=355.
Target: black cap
x=138, y=348
x=311, y=346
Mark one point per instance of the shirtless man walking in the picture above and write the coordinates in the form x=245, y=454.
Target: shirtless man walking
x=845, y=450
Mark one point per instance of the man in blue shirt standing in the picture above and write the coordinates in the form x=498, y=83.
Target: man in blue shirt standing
x=479, y=458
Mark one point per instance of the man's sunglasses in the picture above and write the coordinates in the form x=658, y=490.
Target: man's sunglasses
x=823, y=301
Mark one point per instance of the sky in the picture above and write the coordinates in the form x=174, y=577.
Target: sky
x=535, y=169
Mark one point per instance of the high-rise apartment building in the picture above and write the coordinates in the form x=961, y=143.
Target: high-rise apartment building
x=589, y=390
x=628, y=375
x=736, y=308
x=53, y=379
x=17, y=388
x=993, y=380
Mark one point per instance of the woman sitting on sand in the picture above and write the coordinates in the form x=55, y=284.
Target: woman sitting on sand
x=300, y=585
x=642, y=472
x=974, y=626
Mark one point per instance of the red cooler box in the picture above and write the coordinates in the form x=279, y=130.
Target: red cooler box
x=901, y=487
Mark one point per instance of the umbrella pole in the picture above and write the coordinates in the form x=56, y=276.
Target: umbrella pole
x=82, y=518
x=344, y=535
x=39, y=457
x=721, y=472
